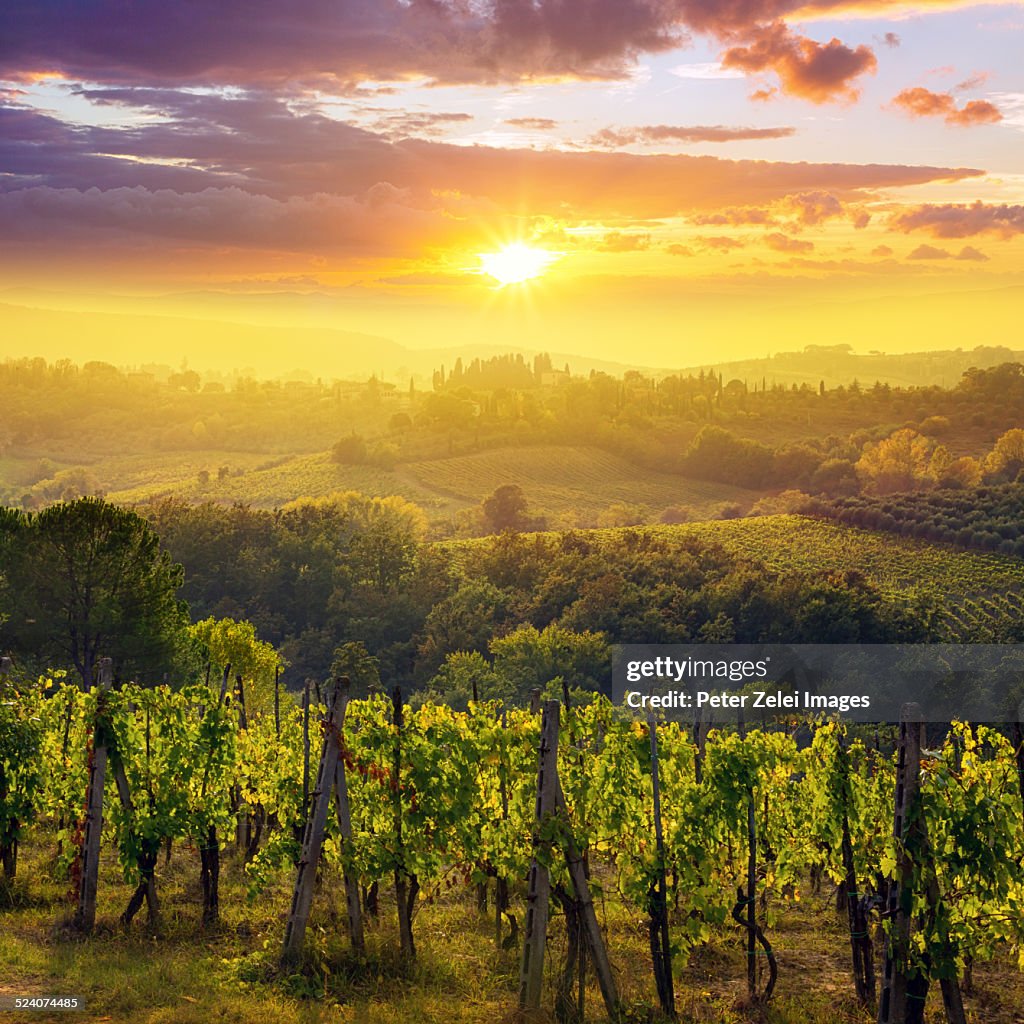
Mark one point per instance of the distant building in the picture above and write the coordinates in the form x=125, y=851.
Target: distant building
x=554, y=378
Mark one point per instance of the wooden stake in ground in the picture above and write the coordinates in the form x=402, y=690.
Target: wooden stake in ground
x=313, y=838
x=588, y=917
x=85, y=916
x=861, y=948
x=500, y=882
x=406, y=886
x=892, y=1005
x=355, y=912
x=661, y=948
x=209, y=844
x=9, y=839
x=538, y=897
x=147, y=856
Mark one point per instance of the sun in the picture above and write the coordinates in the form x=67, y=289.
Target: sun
x=516, y=262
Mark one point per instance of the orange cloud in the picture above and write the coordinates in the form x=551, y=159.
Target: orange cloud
x=617, y=241
x=806, y=68
x=720, y=243
x=922, y=102
x=929, y=252
x=955, y=220
x=783, y=243
x=811, y=208
x=968, y=252
x=734, y=216
x=538, y=124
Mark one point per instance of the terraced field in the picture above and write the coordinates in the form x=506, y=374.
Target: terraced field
x=976, y=592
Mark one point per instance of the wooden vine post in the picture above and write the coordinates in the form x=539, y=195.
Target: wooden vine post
x=85, y=916
x=751, y=891
x=242, y=820
x=352, y=902
x=313, y=837
x=744, y=912
x=209, y=845
x=550, y=805
x=892, y=1006
x=661, y=947
x=538, y=896
x=904, y=991
x=8, y=840
x=277, y=701
x=406, y=888
x=861, y=947
x=500, y=882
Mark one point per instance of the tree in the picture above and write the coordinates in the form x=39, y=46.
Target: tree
x=528, y=658
x=506, y=508
x=901, y=462
x=463, y=621
x=388, y=535
x=227, y=642
x=717, y=454
x=1006, y=460
x=455, y=679
x=835, y=477
x=352, y=659
x=87, y=578
x=349, y=451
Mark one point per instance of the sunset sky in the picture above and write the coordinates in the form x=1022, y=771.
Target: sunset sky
x=708, y=179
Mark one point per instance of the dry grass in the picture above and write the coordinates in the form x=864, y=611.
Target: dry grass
x=184, y=975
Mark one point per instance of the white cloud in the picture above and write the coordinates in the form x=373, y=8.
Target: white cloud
x=709, y=69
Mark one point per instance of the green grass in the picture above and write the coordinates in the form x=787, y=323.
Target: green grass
x=185, y=975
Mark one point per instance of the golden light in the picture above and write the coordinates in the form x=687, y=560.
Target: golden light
x=516, y=262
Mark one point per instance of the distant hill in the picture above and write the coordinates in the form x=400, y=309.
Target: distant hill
x=839, y=364
x=130, y=339
x=307, y=350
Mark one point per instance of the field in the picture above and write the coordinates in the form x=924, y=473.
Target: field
x=269, y=482
x=974, y=592
x=570, y=485
x=561, y=480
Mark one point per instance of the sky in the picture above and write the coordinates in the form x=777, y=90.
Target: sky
x=697, y=180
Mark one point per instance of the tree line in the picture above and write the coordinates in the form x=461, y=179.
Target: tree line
x=347, y=584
